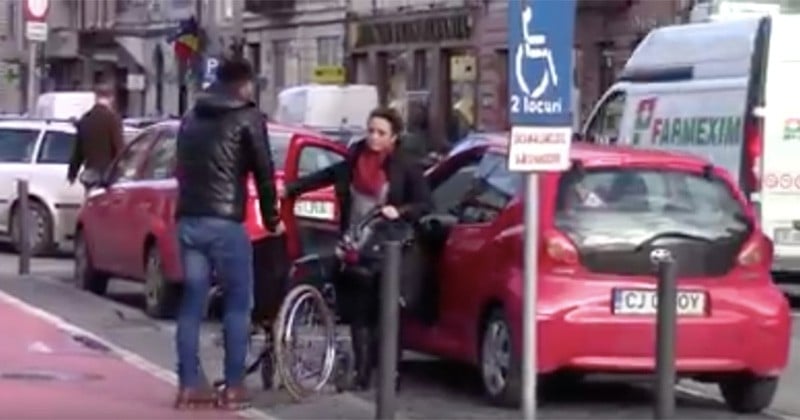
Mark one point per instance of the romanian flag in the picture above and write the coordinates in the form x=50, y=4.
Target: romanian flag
x=186, y=41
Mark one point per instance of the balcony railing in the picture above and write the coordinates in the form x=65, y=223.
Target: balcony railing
x=270, y=7
x=604, y=5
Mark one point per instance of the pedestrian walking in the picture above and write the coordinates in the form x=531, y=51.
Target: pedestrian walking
x=222, y=139
x=376, y=173
x=99, y=138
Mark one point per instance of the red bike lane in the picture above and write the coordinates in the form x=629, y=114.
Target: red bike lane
x=45, y=373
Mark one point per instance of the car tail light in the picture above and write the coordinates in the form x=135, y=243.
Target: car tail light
x=756, y=252
x=754, y=150
x=559, y=249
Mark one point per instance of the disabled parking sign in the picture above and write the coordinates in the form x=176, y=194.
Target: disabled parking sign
x=540, y=40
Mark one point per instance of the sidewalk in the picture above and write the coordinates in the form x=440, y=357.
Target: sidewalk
x=46, y=373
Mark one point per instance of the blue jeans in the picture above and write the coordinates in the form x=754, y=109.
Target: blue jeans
x=206, y=243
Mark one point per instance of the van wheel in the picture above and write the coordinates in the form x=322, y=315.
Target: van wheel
x=161, y=295
x=748, y=394
x=41, y=235
x=84, y=274
x=500, y=366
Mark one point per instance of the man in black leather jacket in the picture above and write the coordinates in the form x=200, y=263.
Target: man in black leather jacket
x=221, y=140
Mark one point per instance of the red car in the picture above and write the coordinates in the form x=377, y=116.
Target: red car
x=599, y=223
x=125, y=228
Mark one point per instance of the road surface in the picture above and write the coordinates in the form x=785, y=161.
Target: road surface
x=431, y=388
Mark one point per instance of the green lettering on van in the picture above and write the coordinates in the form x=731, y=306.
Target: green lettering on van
x=733, y=133
x=701, y=131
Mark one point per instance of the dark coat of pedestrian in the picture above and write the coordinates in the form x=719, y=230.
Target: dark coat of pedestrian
x=99, y=137
x=221, y=141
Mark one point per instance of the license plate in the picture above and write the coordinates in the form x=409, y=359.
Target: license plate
x=645, y=302
x=787, y=236
x=320, y=210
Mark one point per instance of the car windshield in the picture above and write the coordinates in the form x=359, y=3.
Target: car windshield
x=279, y=145
x=629, y=206
x=16, y=145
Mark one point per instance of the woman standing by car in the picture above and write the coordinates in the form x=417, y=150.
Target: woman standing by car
x=376, y=173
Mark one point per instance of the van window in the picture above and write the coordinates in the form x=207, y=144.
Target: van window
x=605, y=126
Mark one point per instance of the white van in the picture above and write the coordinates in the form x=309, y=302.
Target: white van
x=316, y=105
x=64, y=105
x=726, y=90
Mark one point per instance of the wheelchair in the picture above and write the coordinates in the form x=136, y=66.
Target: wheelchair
x=306, y=350
x=310, y=348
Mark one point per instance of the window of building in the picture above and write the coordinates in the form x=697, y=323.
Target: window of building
x=329, y=51
x=280, y=50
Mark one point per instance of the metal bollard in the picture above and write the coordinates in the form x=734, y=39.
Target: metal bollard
x=666, y=320
x=23, y=214
x=390, y=327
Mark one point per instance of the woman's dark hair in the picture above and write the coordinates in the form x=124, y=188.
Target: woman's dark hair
x=391, y=115
x=234, y=70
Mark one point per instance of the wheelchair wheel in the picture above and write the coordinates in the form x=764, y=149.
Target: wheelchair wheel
x=305, y=341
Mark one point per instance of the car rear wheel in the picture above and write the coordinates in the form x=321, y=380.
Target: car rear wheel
x=161, y=295
x=41, y=234
x=85, y=275
x=748, y=393
x=500, y=366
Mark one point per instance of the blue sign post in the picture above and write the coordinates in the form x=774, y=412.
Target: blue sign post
x=540, y=41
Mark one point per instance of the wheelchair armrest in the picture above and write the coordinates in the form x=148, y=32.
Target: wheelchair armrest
x=312, y=266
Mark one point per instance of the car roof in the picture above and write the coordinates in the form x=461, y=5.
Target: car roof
x=600, y=154
x=37, y=124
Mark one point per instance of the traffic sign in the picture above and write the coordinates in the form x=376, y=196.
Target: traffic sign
x=210, y=65
x=36, y=31
x=540, y=35
x=328, y=75
x=540, y=41
x=36, y=10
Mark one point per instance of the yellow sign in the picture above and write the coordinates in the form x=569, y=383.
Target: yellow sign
x=330, y=75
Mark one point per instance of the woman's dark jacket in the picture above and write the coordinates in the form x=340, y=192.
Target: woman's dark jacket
x=408, y=189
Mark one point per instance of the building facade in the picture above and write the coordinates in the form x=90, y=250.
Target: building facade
x=287, y=39
x=451, y=56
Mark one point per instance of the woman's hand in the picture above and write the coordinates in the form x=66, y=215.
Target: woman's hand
x=390, y=212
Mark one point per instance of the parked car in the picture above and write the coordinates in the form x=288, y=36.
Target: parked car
x=39, y=150
x=599, y=223
x=126, y=227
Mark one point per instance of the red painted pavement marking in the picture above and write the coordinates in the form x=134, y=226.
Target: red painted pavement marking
x=123, y=392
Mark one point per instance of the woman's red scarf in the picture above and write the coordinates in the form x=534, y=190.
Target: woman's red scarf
x=368, y=174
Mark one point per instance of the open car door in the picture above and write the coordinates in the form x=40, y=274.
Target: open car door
x=312, y=220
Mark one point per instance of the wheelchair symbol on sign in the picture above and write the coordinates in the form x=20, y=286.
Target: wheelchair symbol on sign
x=534, y=46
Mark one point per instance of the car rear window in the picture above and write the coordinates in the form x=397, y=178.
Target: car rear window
x=631, y=205
x=16, y=145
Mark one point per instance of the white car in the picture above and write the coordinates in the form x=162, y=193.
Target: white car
x=39, y=151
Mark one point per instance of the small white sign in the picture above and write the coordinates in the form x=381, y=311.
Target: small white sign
x=539, y=149
x=135, y=82
x=36, y=31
